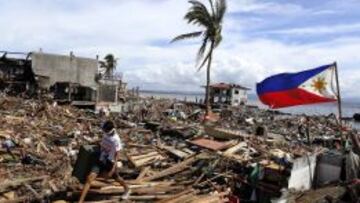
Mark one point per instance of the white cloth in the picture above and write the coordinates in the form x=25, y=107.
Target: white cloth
x=110, y=144
x=322, y=84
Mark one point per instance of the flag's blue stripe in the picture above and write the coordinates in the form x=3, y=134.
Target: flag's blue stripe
x=287, y=81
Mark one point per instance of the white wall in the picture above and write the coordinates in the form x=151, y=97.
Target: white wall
x=60, y=68
x=238, y=98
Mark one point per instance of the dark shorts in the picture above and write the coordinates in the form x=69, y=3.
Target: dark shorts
x=102, y=167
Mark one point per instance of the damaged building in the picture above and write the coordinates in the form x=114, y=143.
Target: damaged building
x=111, y=93
x=228, y=94
x=16, y=74
x=71, y=79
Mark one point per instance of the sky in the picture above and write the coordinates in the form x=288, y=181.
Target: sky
x=260, y=38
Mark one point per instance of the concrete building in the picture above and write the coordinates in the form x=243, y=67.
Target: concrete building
x=228, y=94
x=69, y=78
x=52, y=68
x=15, y=73
x=111, y=94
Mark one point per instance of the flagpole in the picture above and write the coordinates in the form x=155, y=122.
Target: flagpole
x=338, y=93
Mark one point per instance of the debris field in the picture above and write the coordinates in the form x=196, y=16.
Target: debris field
x=245, y=154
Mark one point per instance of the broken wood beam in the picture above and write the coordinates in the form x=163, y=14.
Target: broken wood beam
x=176, y=196
x=174, y=169
x=143, y=173
x=15, y=183
x=32, y=190
x=176, y=152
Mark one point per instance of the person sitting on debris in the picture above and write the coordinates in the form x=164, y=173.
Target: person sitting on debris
x=106, y=165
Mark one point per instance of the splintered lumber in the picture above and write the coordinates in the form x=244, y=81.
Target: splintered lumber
x=148, y=160
x=141, y=198
x=226, y=134
x=17, y=200
x=177, y=196
x=102, y=201
x=235, y=148
x=179, y=153
x=140, y=145
x=149, y=191
x=189, y=151
x=53, y=186
x=154, y=187
x=183, y=199
x=215, y=198
x=174, y=169
x=145, y=159
x=144, y=155
x=148, y=197
x=15, y=183
x=37, y=195
x=158, y=190
x=240, y=157
x=143, y=173
x=191, y=197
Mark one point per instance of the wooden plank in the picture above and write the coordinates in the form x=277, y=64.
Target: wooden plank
x=176, y=196
x=188, y=151
x=15, y=183
x=226, y=134
x=174, y=169
x=159, y=190
x=143, y=173
x=235, y=148
x=37, y=195
x=144, y=155
x=148, y=197
x=176, y=152
x=53, y=186
x=149, y=160
x=137, y=189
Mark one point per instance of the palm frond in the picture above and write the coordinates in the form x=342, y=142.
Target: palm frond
x=197, y=18
x=197, y=5
x=221, y=7
x=202, y=49
x=212, y=7
x=187, y=36
x=211, y=21
x=198, y=14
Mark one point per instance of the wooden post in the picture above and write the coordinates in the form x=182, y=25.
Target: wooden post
x=69, y=95
x=338, y=93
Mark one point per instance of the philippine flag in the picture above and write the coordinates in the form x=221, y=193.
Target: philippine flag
x=307, y=87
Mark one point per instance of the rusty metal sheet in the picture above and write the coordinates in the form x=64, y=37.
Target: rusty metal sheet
x=209, y=144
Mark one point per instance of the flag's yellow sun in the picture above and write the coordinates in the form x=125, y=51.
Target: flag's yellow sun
x=319, y=84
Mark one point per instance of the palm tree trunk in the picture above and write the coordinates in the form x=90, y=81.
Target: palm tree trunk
x=207, y=93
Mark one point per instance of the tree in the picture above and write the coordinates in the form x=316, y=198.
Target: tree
x=109, y=65
x=210, y=20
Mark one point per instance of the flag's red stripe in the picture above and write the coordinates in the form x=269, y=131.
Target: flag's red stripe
x=292, y=97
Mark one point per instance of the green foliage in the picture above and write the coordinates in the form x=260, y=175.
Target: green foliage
x=109, y=64
x=210, y=20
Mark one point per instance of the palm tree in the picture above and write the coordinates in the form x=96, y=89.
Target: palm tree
x=210, y=20
x=109, y=64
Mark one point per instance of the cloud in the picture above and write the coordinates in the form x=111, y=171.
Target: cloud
x=139, y=31
x=248, y=62
x=264, y=7
x=319, y=30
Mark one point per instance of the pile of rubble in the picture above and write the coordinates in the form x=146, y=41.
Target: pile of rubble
x=38, y=144
x=246, y=155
